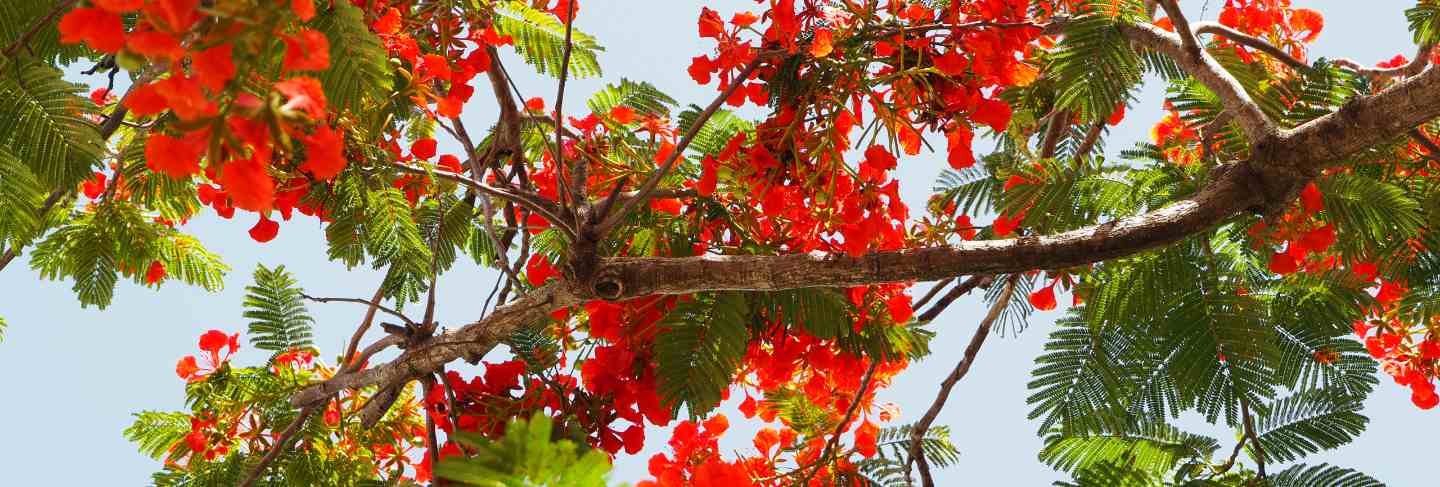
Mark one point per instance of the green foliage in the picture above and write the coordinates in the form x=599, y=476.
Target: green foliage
x=699, y=348
x=21, y=195
x=359, y=80
x=887, y=467
x=276, y=308
x=1323, y=475
x=1094, y=67
x=644, y=97
x=95, y=248
x=1156, y=447
x=17, y=17
x=1308, y=423
x=528, y=455
x=43, y=124
x=540, y=40
x=1424, y=20
x=156, y=432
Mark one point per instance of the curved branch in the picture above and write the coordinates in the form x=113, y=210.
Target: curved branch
x=1209, y=72
x=1251, y=42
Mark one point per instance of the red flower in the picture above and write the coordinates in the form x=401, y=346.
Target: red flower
x=899, y=307
x=951, y=63
x=1282, y=263
x=186, y=368
x=634, y=438
x=155, y=45
x=324, y=153
x=101, y=96
x=305, y=9
x=248, y=185
x=960, y=155
x=101, y=30
x=449, y=163
x=709, y=176
x=964, y=227
x=175, y=16
x=1311, y=199
x=622, y=115
x=423, y=149
x=304, y=94
x=434, y=66
x=700, y=69
x=155, y=273
x=1005, y=225
x=823, y=43
x=711, y=25
x=95, y=186
x=214, y=67
x=994, y=113
x=307, y=51
x=264, y=230
x=184, y=97
x=535, y=104
x=175, y=157
x=119, y=6
x=1043, y=299
x=1423, y=395
x=145, y=101
x=538, y=270
x=866, y=437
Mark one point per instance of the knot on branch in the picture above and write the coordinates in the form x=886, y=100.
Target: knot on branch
x=1273, y=177
x=607, y=284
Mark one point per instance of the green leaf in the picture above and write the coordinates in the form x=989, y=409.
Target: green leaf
x=156, y=432
x=699, y=348
x=1152, y=447
x=540, y=39
x=528, y=455
x=1424, y=19
x=275, y=306
x=644, y=97
x=1095, y=67
x=1308, y=423
x=43, y=123
x=1323, y=475
x=359, y=79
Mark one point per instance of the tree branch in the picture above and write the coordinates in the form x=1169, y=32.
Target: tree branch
x=609, y=221
x=1209, y=72
x=374, y=305
x=1251, y=42
x=281, y=444
x=976, y=341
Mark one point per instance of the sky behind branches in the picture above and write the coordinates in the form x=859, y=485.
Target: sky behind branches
x=71, y=377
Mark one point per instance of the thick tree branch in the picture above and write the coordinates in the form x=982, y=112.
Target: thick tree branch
x=1250, y=42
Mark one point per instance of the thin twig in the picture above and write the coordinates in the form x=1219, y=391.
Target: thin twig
x=944, y=302
x=610, y=220
x=1182, y=26
x=934, y=290
x=578, y=168
x=281, y=444
x=1254, y=439
x=981, y=331
x=840, y=428
x=372, y=303
x=35, y=27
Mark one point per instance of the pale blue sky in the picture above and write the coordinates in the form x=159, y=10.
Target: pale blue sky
x=72, y=377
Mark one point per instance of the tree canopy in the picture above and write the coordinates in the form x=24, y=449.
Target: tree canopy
x=1258, y=262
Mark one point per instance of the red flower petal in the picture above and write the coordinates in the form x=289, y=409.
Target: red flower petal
x=304, y=94
x=175, y=157
x=423, y=148
x=214, y=67
x=264, y=230
x=155, y=273
x=101, y=30
x=307, y=51
x=324, y=153
x=248, y=185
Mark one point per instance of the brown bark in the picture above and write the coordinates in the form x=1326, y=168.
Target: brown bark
x=1280, y=164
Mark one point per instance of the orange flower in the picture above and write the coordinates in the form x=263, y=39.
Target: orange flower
x=307, y=51
x=249, y=187
x=305, y=9
x=184, y=97
x=155, y=45
x=174, y=15
x=155, y=273
x=264, y=230
x=101, y=30
x=175, y=157
x=324, y=153
x=214, y=67
x=303, y=94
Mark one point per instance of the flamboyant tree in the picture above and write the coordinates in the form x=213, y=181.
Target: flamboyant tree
x=1255, y=262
